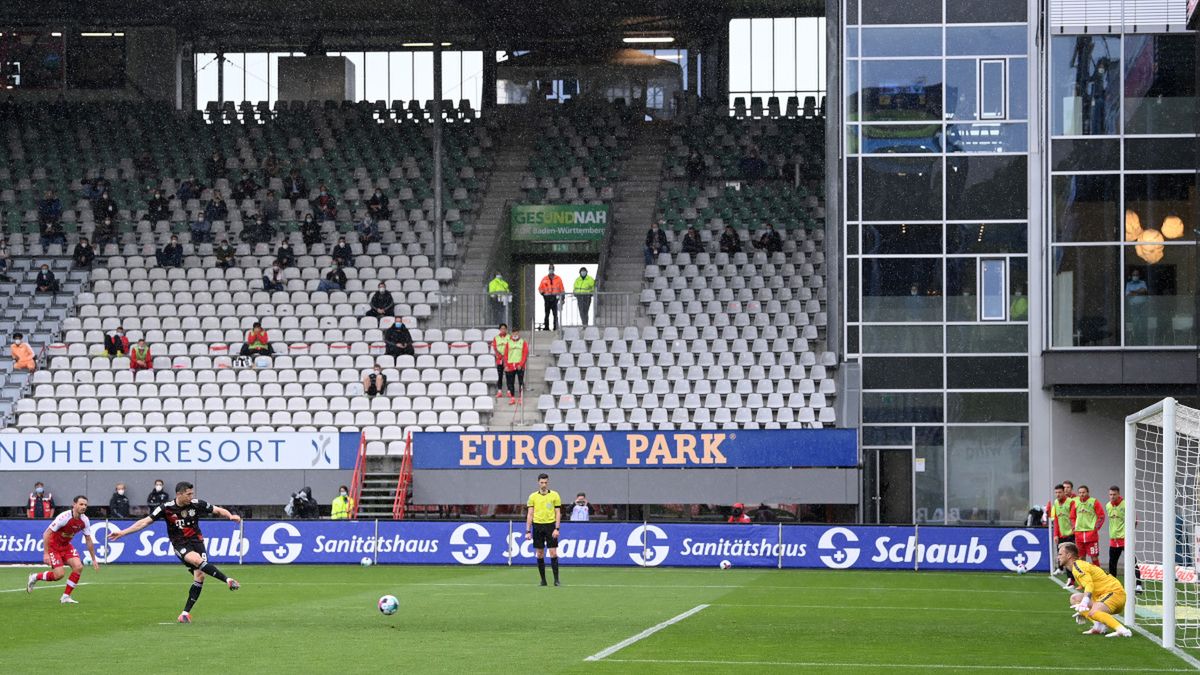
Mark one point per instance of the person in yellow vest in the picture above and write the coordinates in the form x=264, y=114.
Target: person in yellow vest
x=1115, y=510
x=342, y=505
x=501, y=295
x=516, y=355
x=1100, y=597
x=585, y=286
x=1087, y=515
x=1058, y=511
x=500, y=350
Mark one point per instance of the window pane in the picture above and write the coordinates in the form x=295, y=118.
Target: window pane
x=884, y=407
x=1160, y=296
x=1018, y=89
x=986, y=11
x=761, y=53
x=785, y=55
x=987, y=339
x=206, y=79
x=1085, y=91
x=852, y=111
x=401, y=76
x=377, y=77
x=986, y=238
x=901, y=339
x=1159, y=153
x=898, y=239
x=986, y=187
x=1086, y=208
x=452, y=76
x=739, y=55
x=256, y=76
x=901, y=90
x=986, y=40
x=904, y=372
x=235, y=77
x=852, y=188
x=1164, y=202
x=1086, y=154
x=902, y=188
x=1160, y=84
x=930, y=483
x=995, y=457
x=904, y=12
x=900, y=290
x=962, y=94
x=901, y=41
x=994, y=290
x=901, y=138
x=423, y=76
x=473, y=79
x=1085, y=299
x=991, y=91
x=980, y=407
x=962, y=303
x=874, y=436
x=987, y=137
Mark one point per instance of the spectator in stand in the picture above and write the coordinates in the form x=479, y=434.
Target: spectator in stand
x=270, y=207
x=140, y=357
x=259, y=232
x=764, y=514
x=144, y=164
x=46, y=282
x=295, y=187
x=377, y=206
x=516, y=355
x=157, y=496
x=159, y=208
x=257, y=342
x=730, y=241
x=226, y=255
x=202, y=230
x=41, y=502
x=4, y=261
x=271, y=168
x=104, y=207
x=500, y=350
x=551, y=290
x=217, y=209
x=246, y=188
x=326, y=204
x=769, y=240
x=49, y=209
x=581, y=511
x=691, y=241
x=342, y=254
x=375, y=382
x=398, y=340
x=342, y=505
x=656, y=243
x=368, y=232
x=170, y=255
x=382, y=303
x=105, y=233
x=335, y=280
x=116, y=343
x=274, y=281
x=214, y=167
x=89, y=188
x=739, y=514
x=696, y=168
x=310, y=230
x=189, y=189
x=284, y=255
x=83, y=255
x=118, y=503
x=22, y=354
x=752, y=167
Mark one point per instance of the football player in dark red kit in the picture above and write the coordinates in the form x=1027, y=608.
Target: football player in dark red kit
x=182, y=517
x=59, y=553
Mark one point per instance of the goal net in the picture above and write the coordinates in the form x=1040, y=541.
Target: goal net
x=1162, y=461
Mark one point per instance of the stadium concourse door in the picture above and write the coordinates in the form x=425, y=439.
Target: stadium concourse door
x=888, y=485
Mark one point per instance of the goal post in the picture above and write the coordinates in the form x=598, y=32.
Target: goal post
x=1162, y=522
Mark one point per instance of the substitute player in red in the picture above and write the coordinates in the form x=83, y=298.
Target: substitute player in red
x=183, y=529
x=1087, y=515
x=59, y=553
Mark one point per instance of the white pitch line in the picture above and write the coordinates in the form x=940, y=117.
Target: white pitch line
x=39, y=588
x=643, y=635
x=897, y=609
x=922, y=666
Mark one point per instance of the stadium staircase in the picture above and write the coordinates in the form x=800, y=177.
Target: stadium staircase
x=504, y=187
x=634, y=208
x=523, y=416
x=379, y=488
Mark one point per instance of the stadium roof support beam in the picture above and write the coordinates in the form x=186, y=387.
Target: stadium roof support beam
x=439, y=223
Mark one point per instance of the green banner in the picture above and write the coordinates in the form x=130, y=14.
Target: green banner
x=559, y=222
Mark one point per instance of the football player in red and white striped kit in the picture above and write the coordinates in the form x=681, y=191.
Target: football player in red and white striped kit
x=60, y=553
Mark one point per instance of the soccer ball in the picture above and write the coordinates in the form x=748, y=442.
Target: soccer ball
x=366, y=562
x=87, y=558
x=1021, y=568
x=388, y=605
x=725, y=564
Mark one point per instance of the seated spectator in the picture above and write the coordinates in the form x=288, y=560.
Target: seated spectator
x=104, y=207
x=84, y=255
x=202, y=230
x=730, y=241
x=696, y=167
x=368, y=231
x=274, y=281
x=382, y=303
x=656, y=243
x=115, y=343
x=4, y=262
x=259, y=232
x=375, y=382
x=217, y=209
x=105, y=233
x=140, y=357
x=226, y=255
x=310, y=230
x=271, y=168
x=52, y=233
x=284, y=255
x=214, y=167
x=342, y=254
x=159, y=208
x=691, y=241
x=377, y=206
x=335, y=280
x=170, y=255
x=295, y=187
x=49, y=209
x=144, y=164
x=398, y=339
x=752, y=167
x=46, y=281
x=189, y=189
x=769, y=240
x=22, y=354
x=89, y=188
x=326, y=205
x=246, y=188
x=302, y=505
x=257, y=343
x=270, y=207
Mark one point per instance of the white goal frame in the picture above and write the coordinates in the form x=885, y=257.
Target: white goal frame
x=1166, y=408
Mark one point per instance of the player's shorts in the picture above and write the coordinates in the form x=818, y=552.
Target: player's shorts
x=59, y=555
x=191, y=547
x=543, y=536
x=1115, y=601
x=1116, y=543
x=1088, y=544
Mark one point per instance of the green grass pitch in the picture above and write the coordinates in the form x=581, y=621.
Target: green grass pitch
x=322, y=619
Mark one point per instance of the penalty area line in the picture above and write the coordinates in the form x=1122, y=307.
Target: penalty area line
x=864, y=665
x=644, y=634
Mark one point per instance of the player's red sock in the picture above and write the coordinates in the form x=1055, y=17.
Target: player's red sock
x=48, y=575
x=71, y=581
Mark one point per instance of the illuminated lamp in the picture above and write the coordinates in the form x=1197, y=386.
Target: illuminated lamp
x=1151, y=248
x=1133, y=225
x=1172, y=227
